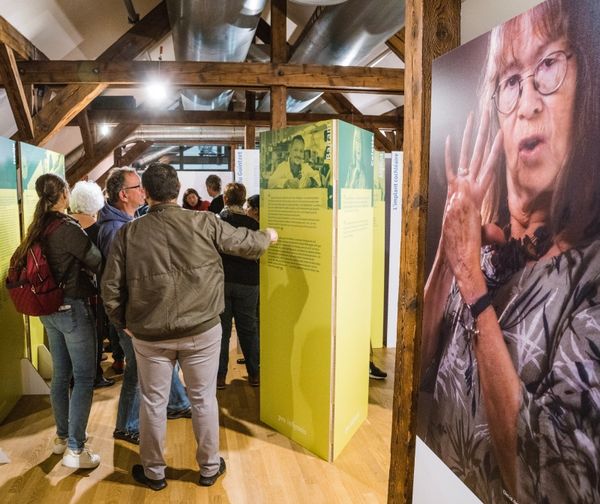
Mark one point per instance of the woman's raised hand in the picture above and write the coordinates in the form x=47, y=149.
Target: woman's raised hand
x=461, y=231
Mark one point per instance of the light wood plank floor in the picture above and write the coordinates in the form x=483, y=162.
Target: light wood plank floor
x=262, y=465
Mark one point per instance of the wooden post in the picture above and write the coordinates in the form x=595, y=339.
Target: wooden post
x=433, y=28
x=279, y=54
x=250, y=129
x=232, y=148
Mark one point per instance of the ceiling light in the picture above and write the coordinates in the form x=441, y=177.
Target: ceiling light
x=104, y=130
x=156, y=92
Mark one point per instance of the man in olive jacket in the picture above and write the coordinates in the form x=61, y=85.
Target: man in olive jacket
x=163, y=285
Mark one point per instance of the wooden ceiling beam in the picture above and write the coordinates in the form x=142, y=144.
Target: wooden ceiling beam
x=134, y=152
x=23, y=48
x=15, y=92
x=72, y=99
x=342, y=105
x=263, y=31
x=213, y=74
x=86, y=133
x=102, y=149
x=307, y=27
x=215, y=118
x=396, y=43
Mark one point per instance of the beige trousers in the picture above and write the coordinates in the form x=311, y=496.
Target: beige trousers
x=198, y=357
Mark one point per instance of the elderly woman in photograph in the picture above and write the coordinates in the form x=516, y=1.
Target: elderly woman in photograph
x=511, y=326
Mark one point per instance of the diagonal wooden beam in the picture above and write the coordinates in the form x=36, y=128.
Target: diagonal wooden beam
x=307, y=27
x=342, y=105
x=74, y=98
x=134, y=152
x=396, y=44
x=434, y=30
x=102, y=150
x=86, y=133
x=263, y=31
x=17, y=97
x=10, y=36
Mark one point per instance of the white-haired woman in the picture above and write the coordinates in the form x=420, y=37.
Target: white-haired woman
x=86, y=200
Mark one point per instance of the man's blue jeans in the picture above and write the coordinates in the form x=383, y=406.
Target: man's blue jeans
x=128, y=412
x=72, y=339
x=240, y=304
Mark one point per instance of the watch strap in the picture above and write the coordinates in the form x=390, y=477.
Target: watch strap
x=480, y=305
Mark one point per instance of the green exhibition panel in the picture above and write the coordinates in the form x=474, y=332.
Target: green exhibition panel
x=378, y=276
x=315, y=308
x=12, y=330
x=35, y=161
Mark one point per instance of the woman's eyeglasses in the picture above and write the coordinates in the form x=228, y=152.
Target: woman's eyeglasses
x=548, y=76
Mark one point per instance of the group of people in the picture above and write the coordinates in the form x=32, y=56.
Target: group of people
x=163, y=289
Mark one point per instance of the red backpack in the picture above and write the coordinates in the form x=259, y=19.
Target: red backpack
x=31, y=286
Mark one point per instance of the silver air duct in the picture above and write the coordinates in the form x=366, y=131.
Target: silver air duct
x=183, y=134
x=209, y=30
x=345, y=35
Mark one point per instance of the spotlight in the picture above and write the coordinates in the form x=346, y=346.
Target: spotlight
x=156, y=92
x=104, y=129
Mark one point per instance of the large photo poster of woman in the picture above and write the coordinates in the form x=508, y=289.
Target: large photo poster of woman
x=510, y=393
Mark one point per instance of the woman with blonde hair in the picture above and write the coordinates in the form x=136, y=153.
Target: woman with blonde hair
x=86, y=200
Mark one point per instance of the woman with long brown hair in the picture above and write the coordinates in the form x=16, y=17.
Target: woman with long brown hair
x=73, y=260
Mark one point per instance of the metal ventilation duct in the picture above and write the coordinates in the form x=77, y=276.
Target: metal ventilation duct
x=212, y=30
x=183, y=134
x=345, y=35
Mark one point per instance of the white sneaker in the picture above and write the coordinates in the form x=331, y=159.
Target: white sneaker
x=84, y=459
x=59, y=446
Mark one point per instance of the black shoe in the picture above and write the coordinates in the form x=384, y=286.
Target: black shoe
x=376, y=373
x=210, y=480
x=184, y=413
x=137, y=471
x=130, y=437
x=103, y=382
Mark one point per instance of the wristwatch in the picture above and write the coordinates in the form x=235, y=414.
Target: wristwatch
x=480, y=305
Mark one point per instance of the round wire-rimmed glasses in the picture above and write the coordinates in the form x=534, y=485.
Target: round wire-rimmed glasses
x=548, y=76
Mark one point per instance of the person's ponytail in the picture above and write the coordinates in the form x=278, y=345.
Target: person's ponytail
x=49, y=187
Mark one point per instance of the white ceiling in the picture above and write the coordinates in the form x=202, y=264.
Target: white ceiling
x=82, y=29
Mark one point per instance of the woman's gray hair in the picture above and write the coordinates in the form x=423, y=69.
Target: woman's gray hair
x=86, y=198
x=575, y=207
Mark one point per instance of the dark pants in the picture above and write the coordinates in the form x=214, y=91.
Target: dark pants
x=240, y=304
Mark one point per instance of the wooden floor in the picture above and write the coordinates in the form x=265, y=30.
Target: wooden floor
x=262, y=465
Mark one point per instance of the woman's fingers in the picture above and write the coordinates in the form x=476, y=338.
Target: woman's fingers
x=491, y=164
x=480, y=143
x=465, y=149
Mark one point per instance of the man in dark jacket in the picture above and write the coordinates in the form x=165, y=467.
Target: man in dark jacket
x=241, y=292
x=125, y=195
x=163, y=284
x=213, y=188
